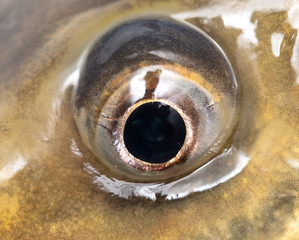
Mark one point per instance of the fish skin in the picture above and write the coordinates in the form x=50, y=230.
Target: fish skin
x=50, y=196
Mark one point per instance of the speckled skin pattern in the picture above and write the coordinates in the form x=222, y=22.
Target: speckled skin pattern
x=51, y=197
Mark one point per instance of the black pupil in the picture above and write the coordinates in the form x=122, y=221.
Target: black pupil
x=154, y=132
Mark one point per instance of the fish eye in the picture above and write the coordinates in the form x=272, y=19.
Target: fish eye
x=83, y=97
x=156, y=99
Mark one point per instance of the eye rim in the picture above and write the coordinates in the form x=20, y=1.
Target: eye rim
x=216, y=146
x=181, y=155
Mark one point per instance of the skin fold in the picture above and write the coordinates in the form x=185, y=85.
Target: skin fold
x=45, y=193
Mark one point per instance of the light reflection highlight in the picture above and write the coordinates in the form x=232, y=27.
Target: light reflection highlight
x=75, y=149
x=293, y=163
x=10, y=169
x=293, y=18
x=276, y=40
x=222, y=168
x=237, y=15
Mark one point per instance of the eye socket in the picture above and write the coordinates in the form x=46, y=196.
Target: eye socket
x=155, y=62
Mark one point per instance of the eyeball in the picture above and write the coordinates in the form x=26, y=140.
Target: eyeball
x=156, y=99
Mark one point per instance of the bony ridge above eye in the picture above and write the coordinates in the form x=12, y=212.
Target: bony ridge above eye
x=156, y=99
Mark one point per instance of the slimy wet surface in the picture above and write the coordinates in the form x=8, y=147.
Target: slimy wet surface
x=54, y=186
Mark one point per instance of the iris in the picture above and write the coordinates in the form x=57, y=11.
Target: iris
x=156, y=99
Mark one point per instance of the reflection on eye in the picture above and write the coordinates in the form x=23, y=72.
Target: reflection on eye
x=54, y=187
x=156, y=100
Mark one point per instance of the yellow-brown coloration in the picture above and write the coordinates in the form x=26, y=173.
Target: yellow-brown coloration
x=51, y=197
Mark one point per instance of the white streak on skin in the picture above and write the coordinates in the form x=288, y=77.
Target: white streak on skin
x=237, y=14
x=75, y=149
x=12, y=168
x=199, y=184
x=293, y=163
x=195, y=182
x=120, y=188
x=293, y=18
x=243, y=22
x=71, y=80
x=73, y=73
x=276, y=40
x=243, y=160
x=52, y=118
